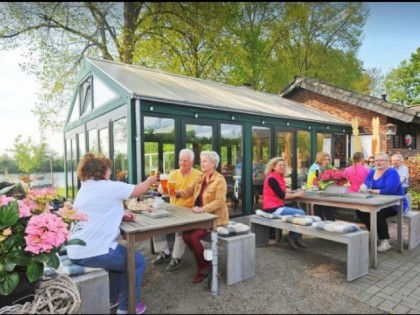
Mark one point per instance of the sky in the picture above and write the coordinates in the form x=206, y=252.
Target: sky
x=391, y=35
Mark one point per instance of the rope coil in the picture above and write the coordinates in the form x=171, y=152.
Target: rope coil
x=58, y=295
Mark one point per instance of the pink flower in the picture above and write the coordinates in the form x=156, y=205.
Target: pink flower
x=38, y=199
x=45, y=232
x=70, y=214
x=24, y=209
x=331, y=176
x=4, y=201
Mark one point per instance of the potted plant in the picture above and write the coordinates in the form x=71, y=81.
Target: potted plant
x=32, y=235
x=331, y=178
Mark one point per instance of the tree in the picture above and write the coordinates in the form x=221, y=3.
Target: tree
x=402, y=84
x=29, y=156
x=7, y=165
x=323, y=39
x=59, y=34
x=261, y=44
x=189, y=38
x=371, y=83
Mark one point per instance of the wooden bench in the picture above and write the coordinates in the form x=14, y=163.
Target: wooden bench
x=412, y=219
x=240, y=256
x=94, y=292
x=357, y=242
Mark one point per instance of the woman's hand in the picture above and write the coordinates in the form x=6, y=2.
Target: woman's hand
x=198, y=209
x=129, y=217
x=152, y=179
x=300, y=193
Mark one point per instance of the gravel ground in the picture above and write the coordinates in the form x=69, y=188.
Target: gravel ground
x=309, y=280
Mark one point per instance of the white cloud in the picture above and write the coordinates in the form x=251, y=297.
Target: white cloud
x=17, y=97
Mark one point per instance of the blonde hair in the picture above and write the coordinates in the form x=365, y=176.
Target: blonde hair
x=382, y=155
x=272, y=163
x=320, y=156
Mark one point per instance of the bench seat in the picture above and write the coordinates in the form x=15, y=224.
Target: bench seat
x=240, y=256
x=357, y=242
x=94, y=292
x=412, y=219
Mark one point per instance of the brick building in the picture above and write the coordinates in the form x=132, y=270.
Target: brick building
x=347, y=104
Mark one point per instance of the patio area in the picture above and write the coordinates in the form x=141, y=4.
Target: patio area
x=311, y=280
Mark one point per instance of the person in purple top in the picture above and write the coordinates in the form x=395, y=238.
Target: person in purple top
x=384, y=180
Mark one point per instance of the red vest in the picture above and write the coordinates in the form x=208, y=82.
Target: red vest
x=271, y=200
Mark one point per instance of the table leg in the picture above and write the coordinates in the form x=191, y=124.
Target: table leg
x=131, y=271
x=214, y=248
x=373, y=239
x=399, y=224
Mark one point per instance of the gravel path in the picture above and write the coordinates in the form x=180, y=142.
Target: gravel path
x=286, y=281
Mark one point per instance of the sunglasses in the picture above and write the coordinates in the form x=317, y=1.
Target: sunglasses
x=371, y=161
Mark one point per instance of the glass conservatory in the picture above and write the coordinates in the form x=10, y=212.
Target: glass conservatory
x=142, y=118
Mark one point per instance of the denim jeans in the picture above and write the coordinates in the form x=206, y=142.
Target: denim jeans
x=115, y=262
x=289, y=211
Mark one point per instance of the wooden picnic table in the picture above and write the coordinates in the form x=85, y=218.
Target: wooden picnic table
x=181, y=219
x=371, y=205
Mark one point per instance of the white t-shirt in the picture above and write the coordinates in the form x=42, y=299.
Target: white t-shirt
x=101, y=201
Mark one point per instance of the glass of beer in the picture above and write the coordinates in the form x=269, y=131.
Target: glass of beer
x=153, y=171
x=171, y=188
x=163, y=178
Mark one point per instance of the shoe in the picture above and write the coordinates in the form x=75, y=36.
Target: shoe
x=115, y=303
x=292, y=244
x=162, y=258
x=199, y=277
x=300, y=241
x=174, y=264
x=140, y=309
x=384, y=246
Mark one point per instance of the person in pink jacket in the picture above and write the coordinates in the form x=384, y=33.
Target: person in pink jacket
x=357, y=172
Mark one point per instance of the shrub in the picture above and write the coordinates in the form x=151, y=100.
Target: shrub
x=413, y=165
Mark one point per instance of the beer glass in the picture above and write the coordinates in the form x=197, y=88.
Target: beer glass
x=153, y=171
x=171, y=188
x=163, y=178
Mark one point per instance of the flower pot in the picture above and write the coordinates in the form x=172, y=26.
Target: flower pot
x=336, y=189
x=24, y=292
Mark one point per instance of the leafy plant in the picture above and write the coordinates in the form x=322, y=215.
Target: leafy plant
x=31, y=235
x=330, y=176
x=413, y=165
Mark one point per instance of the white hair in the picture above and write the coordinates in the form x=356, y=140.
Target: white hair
x=213, y=157
x=189, y=152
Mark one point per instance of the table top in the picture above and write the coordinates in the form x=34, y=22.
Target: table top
x=354, y=198
x=179, y=216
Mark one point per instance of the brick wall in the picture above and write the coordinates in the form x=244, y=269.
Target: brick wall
x=347, y=111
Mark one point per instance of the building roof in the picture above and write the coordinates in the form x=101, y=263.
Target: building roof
x=160, y=86
x=400, y=112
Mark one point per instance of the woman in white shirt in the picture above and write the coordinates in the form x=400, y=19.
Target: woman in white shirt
x=101, y=200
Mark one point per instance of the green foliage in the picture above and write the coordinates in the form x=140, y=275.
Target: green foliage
x=29, y=156
x=403, y=83
x=413, y=165
x=261, y=44
x=17, y=241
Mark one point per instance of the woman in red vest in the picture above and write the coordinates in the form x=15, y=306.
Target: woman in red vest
x=274, y=195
